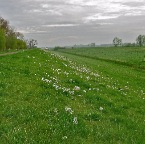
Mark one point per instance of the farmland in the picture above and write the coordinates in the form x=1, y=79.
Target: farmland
x=123, y=55
x=73, y=96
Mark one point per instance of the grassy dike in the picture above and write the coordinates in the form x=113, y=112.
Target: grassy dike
x=48, y=98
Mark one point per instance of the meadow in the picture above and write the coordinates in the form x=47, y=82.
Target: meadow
x=72, y=97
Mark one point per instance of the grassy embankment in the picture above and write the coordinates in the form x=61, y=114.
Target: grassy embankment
x=47, y=98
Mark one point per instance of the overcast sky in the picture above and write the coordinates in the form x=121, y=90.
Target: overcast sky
x=69, y=22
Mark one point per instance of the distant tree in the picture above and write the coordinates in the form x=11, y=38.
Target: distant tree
x=2, y=39
x=117, y=41
x=32, y=43
x=140, y=40
x=58, y=48
x=129, y=44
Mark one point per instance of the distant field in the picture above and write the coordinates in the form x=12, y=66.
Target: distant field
x=133, y=56
x=72, y=97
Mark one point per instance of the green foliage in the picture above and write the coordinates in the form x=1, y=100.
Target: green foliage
x=21, y=44
x=129, y=44
x=2, y=39
x=58, y=48
x=48, y=98
x=11, y=42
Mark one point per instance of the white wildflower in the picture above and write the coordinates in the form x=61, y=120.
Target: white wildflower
x=64, y=137
x=56, y=110
x=76, y=88
x=71, y=92
x=79, y=95
x=42, y=79
x=88, y=78
x=101, y=108
x=68, y=109
x=75, y=120
x=84, y=91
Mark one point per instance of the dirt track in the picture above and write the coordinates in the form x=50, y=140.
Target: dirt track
x=9, y=53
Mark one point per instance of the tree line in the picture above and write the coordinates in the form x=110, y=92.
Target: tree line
x=10, y=39
x=140, y=41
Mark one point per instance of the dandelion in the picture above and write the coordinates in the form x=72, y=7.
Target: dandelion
x=75, y=120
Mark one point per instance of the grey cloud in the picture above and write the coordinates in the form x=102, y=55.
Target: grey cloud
x=134, y=4
x=61, y=22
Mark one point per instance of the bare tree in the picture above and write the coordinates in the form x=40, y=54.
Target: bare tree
x=32, y=43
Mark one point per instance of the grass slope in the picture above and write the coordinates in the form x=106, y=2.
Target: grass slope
x=47, y=98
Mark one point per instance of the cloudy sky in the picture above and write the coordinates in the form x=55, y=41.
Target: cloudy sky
x=69, y=22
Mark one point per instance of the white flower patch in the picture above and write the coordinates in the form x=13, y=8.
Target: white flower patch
x=64, y=137
x=77, y=88
x=68, y=109
x=75, y=120
x=56, y=110
x=71, y=92
x=70, y=80
x=66, y=73
x=84, y=91
x=65, y=89
x=101, y=108
x=88, y=78
x=65, y=64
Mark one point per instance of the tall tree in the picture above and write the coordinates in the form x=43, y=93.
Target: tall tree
x=4, y=24
x=140, y=40
x=117, y=41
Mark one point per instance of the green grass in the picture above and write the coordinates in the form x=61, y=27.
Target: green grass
x=48, y=98
x=133, y=56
